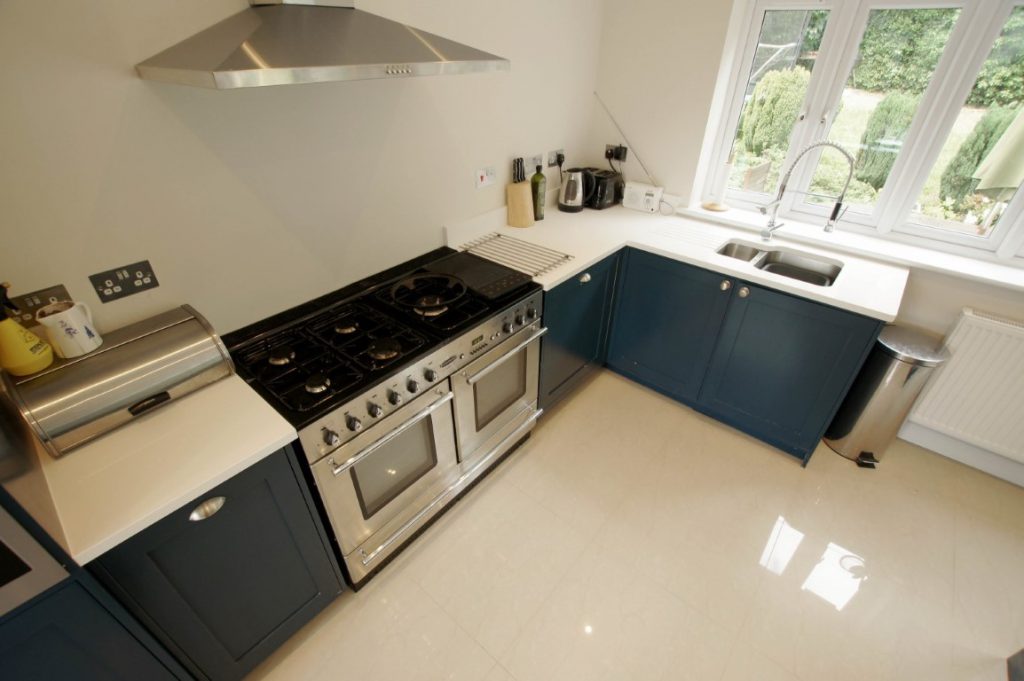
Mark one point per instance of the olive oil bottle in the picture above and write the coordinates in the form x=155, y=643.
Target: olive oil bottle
x=538, y=186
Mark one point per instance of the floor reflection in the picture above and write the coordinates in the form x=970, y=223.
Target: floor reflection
x=837, y=576
x=782, y=544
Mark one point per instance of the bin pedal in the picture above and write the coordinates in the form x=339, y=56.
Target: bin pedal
x=866, y=460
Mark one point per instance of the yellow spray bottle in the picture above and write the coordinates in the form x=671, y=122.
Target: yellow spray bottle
x=21, y=351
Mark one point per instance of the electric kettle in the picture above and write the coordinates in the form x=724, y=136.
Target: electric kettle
x=577, y=187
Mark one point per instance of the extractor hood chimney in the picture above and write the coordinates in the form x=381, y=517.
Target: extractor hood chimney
x=287, y=42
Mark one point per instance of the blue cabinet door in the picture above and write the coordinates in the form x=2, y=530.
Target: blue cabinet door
x=667, y=319
x=577, y=314
x=66, y=634
x=782, y=365
x=223, y=586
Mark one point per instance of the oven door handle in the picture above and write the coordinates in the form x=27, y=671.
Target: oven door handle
x=506, y=357
x=445, y=493
x=338, y=469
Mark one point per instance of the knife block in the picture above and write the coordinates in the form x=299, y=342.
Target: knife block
x=519, y=199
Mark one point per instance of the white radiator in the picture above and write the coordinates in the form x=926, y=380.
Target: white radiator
x=978, y=396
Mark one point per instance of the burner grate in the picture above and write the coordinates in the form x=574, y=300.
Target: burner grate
x=515, y=253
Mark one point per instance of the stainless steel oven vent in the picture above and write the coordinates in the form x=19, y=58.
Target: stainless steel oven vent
x=313, y=41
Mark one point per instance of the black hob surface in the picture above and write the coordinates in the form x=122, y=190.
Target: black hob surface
x=306, y=362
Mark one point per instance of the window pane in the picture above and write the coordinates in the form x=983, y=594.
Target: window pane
x=895, y=62
x=787, y=49
x=981, y=165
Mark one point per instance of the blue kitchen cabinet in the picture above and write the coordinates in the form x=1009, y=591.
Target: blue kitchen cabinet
x=227, y=578
x=67, y=634
x=782, y=365
x=577, y=314
x=770, y=364
x=666, y=323
x=72, y=630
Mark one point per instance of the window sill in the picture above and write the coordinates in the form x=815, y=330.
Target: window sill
x=914, y=257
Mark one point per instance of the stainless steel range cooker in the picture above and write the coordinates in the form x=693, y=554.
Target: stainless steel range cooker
x=404, y=389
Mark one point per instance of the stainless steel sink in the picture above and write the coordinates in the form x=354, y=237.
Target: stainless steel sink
x=800, y=266
x=812, y=269
x=740, y=251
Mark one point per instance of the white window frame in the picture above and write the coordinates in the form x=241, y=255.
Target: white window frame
x=970, y=42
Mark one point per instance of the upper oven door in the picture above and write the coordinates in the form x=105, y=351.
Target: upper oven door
x=381, y=476
x=497, y=390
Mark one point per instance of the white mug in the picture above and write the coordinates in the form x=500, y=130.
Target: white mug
x=69, y=328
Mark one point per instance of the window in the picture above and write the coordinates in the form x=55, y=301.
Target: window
x=925, y=95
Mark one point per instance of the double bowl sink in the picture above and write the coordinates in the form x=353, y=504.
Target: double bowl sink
x=786, y=262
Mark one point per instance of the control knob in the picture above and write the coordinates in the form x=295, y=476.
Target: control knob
x=394, y=398
x=354, y=424
x=412, y=386
x=531, y=313
x=430, y=375
x=331, y=438
x=519, y=320
x=507, y=327
x=375, y=410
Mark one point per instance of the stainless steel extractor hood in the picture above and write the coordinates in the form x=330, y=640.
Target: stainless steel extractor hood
x=283, y=42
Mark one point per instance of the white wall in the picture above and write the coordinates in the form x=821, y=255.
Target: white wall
x=933, y=301
x=658, y=66
x=250, y=201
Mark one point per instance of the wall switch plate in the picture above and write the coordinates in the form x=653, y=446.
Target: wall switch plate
x=485, y=177
x=532, y=162
x=123, y=281
x=553, y=157
x=29, y=303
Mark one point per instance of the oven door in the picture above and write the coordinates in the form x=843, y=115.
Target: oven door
x=377, y=481
x=497, y=393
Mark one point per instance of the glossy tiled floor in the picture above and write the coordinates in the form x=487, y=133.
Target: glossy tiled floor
x=631, y=538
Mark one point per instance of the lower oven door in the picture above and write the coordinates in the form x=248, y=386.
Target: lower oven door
x=497, y=393
x=378, y=481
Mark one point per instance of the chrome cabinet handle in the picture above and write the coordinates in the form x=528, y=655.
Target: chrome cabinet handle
x=207, y=509
x=725, y=285
x=396, y=535
x=508, y=355
x=338, y=469
x=585, y=277
x=744, y=292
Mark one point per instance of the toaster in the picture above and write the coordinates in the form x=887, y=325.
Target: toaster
x=608, y=188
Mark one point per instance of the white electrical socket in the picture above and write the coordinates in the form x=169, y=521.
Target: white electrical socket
x=553, y=157
x=532, y=162
x=485, y=177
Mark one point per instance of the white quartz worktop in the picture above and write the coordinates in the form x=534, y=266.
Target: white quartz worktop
x=110, y=489
x=864, y=286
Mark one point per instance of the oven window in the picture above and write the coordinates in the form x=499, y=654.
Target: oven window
x=390, y=470
x=500, y=389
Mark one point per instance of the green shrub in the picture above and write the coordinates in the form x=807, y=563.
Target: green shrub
x=900, y=49
x=883, y=135
x=1001, y=81
x=773, y=108
x=957, y=182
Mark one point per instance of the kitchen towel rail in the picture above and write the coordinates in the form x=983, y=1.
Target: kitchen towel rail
x=515, y=253
x=978, y=396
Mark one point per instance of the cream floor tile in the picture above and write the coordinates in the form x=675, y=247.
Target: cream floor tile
x=389, y=630
x=606, y=623
x=495, y=562
x=632, y=538
x=746, y=664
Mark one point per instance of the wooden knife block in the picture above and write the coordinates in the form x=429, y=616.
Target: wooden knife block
x=519, y=199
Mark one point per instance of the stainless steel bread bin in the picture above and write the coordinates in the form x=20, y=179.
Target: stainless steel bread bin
x=138, y=368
